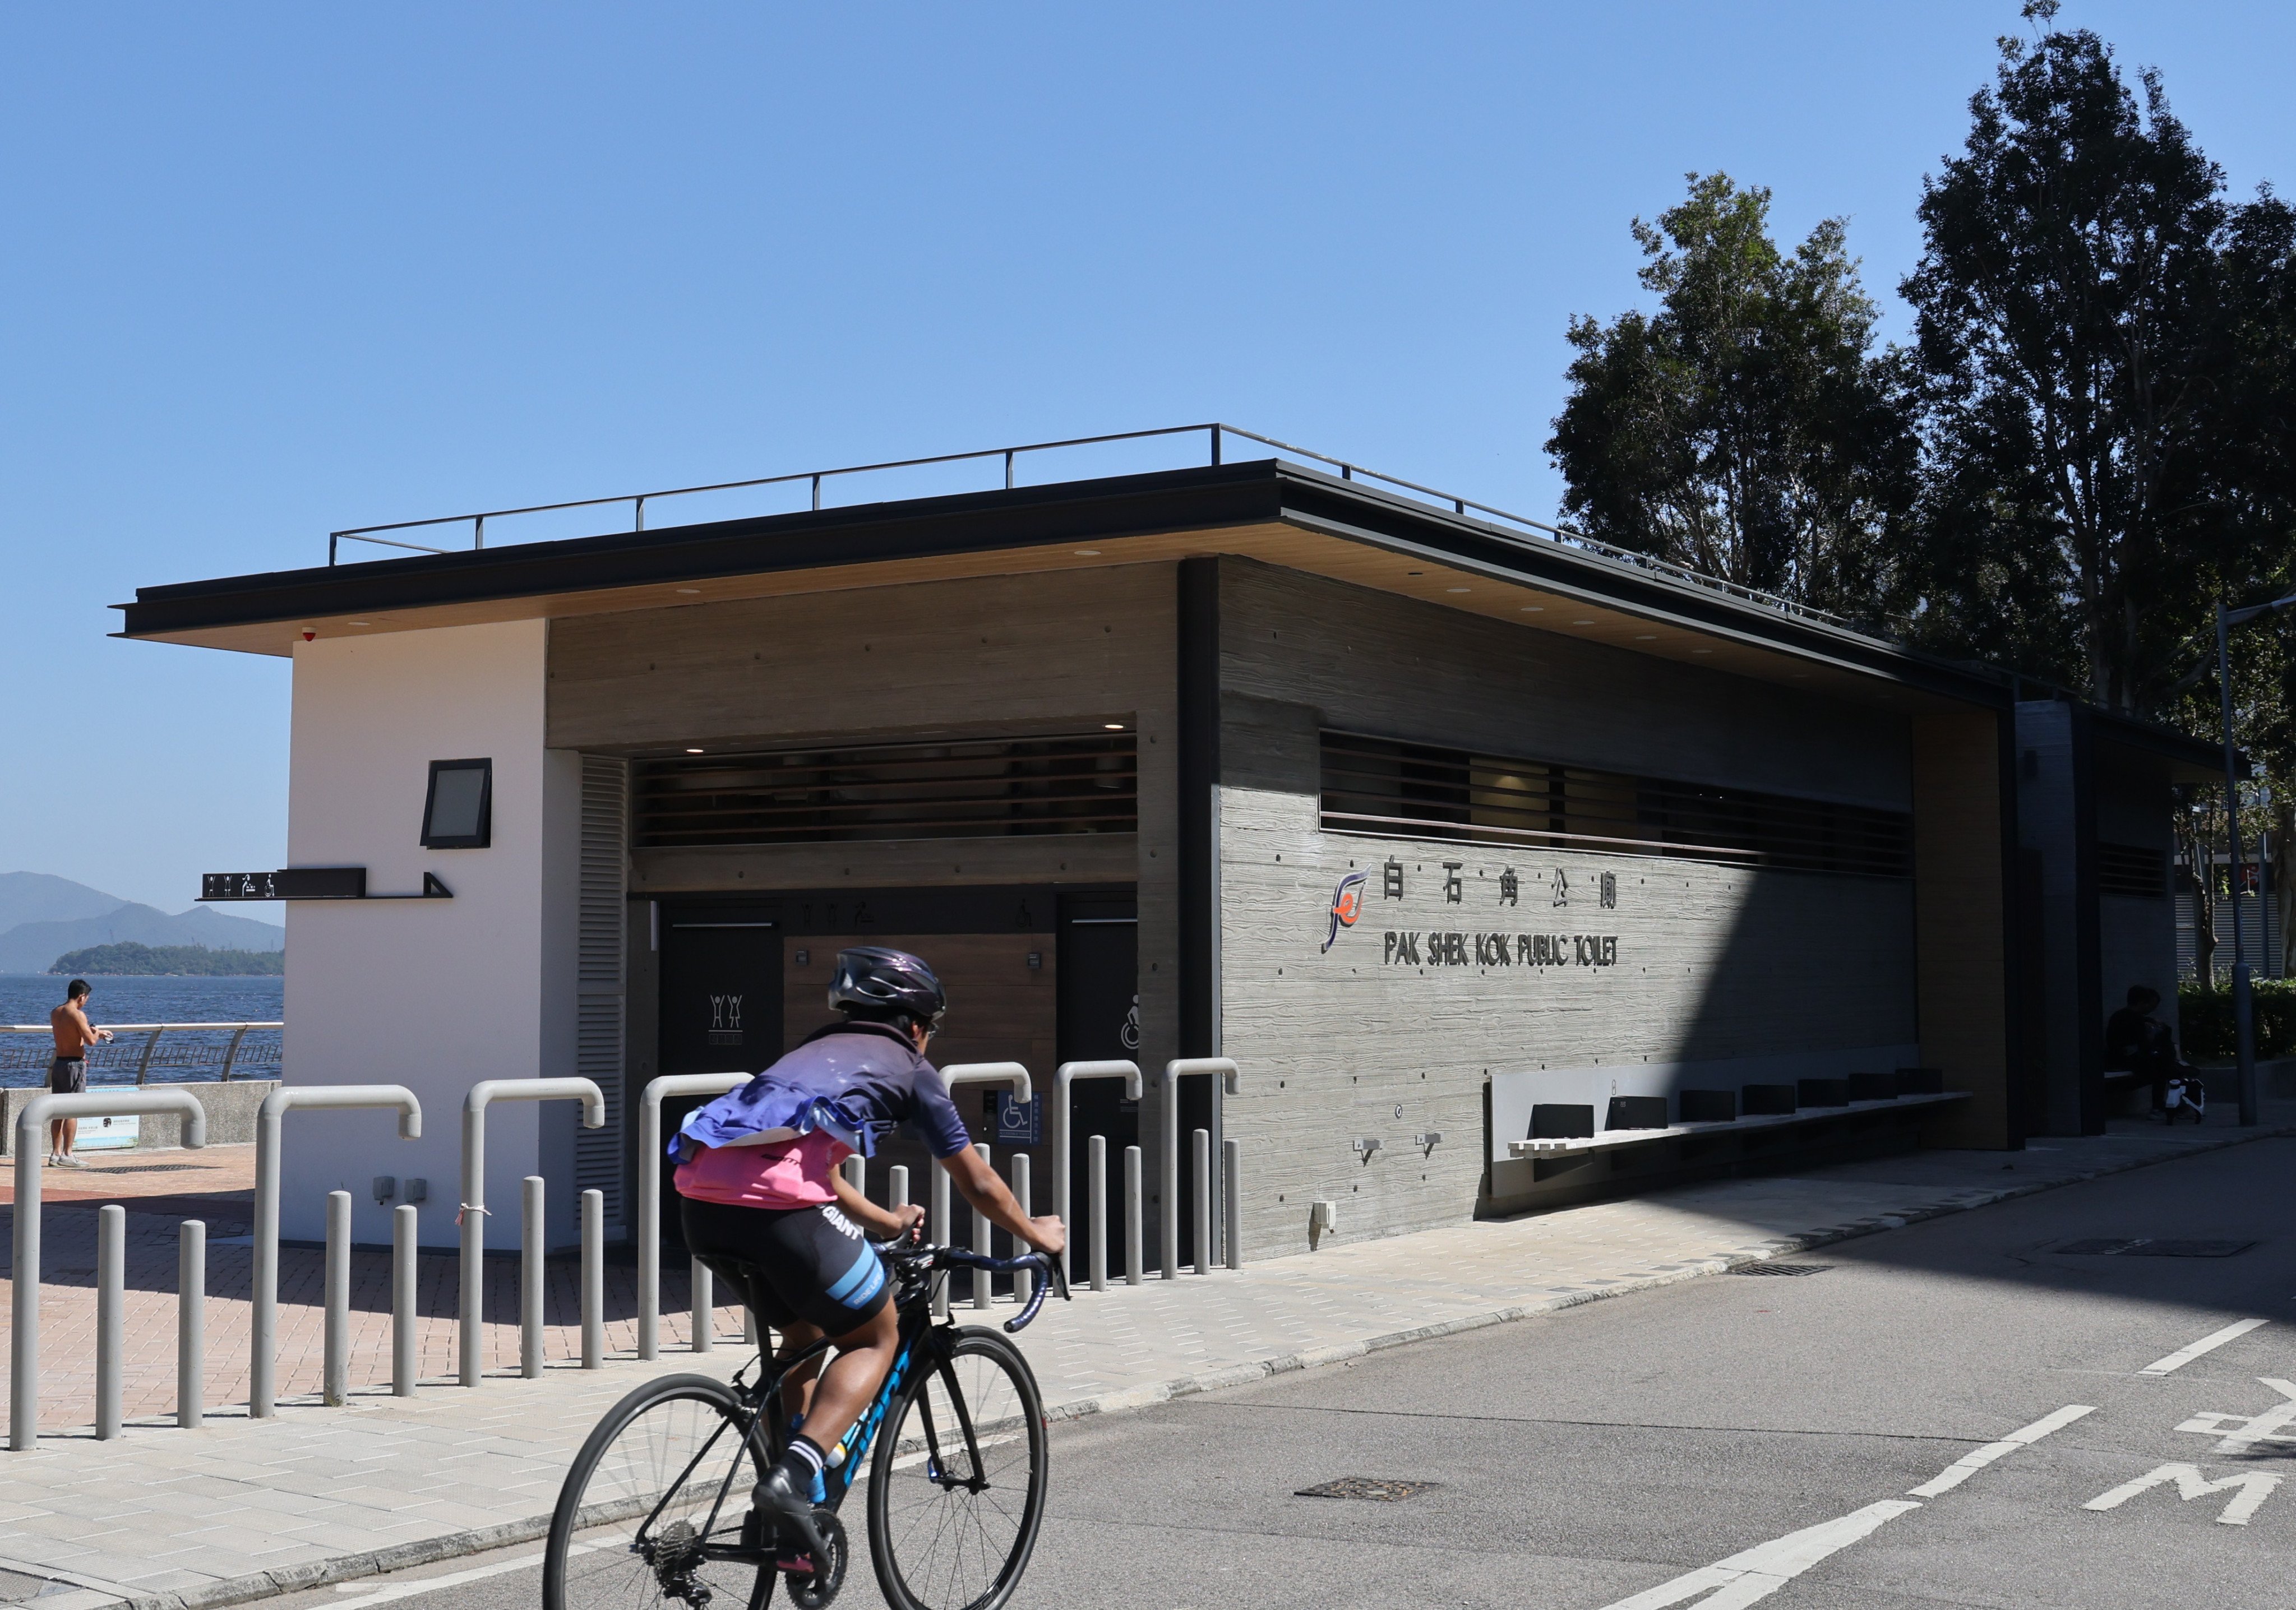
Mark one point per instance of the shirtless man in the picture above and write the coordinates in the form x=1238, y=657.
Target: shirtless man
x=68, y=1073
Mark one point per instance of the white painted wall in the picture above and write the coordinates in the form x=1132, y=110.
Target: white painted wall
x=433, y=994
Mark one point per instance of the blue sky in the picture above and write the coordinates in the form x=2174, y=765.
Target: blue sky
x=272, y=270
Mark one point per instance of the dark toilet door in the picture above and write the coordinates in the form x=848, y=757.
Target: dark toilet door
x=721, y=1012
x=1099, y=1020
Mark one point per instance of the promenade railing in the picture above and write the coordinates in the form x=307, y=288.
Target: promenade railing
x=149, y=1053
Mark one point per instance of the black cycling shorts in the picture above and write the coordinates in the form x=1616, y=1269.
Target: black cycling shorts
x=808, y=1264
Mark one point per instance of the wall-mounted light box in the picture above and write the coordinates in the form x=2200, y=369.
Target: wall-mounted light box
x=458, y=811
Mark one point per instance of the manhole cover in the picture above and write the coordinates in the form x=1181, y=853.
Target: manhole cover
x=2145, y=1247
x=1366, y=1487
x=1781, y=1269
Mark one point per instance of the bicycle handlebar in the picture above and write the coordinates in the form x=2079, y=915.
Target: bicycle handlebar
x=958, y=1257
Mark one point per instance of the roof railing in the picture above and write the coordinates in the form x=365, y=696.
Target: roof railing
x=1214, y=432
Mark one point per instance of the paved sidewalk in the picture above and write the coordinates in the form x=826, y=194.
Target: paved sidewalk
x=241, y=1508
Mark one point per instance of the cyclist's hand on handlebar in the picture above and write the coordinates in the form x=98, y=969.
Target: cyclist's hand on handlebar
x=1050, y=1235
x=913, y=1219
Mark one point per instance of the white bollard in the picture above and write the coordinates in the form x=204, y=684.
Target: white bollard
x=1134, y=1264
x=1232, y=1192
x=1096, y=1178
x=1023, y=1282
x=406, y=1243
x=857, y=1173
x=1201, y=1154
x=897, y=1186
x=529, y=1277
x=982, y=1286
x=335, y=1370
x=593, y=1280
x=705, y=1299
x=938, y=1234
x=111, y=1316
x=190, y=1323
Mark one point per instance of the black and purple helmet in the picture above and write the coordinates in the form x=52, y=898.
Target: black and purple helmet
x=874, y=983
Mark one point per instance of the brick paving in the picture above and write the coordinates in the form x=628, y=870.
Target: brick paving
x=242, y=1507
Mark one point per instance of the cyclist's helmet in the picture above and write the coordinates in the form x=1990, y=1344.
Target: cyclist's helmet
x=881, y=985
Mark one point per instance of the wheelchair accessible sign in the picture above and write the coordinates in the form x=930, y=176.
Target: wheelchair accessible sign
x=1020, y=1123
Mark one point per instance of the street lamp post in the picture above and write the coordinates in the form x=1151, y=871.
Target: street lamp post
x=2243, y=1000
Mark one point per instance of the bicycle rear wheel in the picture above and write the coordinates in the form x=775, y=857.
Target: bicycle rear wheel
x=634, y=1514
x=956, y=1490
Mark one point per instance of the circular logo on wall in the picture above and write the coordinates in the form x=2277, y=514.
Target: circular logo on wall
x=1347, y=905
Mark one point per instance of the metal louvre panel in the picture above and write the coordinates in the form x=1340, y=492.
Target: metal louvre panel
x=598, y=1007
x=2131, y=869
x=1384, y=788
x=1080, y=783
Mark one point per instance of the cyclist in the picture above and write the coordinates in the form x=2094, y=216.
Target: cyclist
x=766, y=1207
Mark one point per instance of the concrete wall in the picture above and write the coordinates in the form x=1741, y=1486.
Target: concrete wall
x=434, y=994
x=2136, y=939
x=230, y=1111
x=1702, y=963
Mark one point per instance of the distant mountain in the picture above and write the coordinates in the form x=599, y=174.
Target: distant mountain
x=41, y=918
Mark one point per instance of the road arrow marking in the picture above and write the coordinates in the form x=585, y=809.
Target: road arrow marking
x=2242, y=1433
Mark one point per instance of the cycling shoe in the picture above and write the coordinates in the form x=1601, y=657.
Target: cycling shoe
x=790, y=1511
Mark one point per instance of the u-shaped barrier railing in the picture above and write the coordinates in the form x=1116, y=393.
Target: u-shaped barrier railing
x=1064, y=1080
x=1010, y=1074
x=473, y=1210
x=1224, y=1072
x=650, y=1155
x=31, y=1152
x=263, y=1345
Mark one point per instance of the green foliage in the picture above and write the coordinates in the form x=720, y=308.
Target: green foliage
x=127, y=959
x=2206, y=1019
x=1742, y=428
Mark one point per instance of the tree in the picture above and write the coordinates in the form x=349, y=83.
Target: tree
x=1742, y=429
x=2095, y=383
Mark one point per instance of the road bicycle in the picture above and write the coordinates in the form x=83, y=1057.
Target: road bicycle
x=956, y=1490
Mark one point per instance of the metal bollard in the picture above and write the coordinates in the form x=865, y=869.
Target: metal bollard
x=749, y=1325
x=1201, y=1150
x=110, y=1317
x=405, y=1233
x=1231, y=1206
x=705, y=1299
x=897, y=1186
x=982, y=1286
x=190, y=1323
x=593, y=1280
x=857, y=1173
x=1095, y=1178
x=530, y=1277
x=1134, y=1264
x=939, y=1233
x=334, y=1379
x=1023, y=1282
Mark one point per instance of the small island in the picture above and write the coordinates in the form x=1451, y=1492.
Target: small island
x=128, y=959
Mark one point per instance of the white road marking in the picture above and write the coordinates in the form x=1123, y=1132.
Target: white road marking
x=452, y=1579
x=2245, y=1431
x=2249, y=1489
x=2207, y=1344
x=1954, y=1475
x=1761, y=1571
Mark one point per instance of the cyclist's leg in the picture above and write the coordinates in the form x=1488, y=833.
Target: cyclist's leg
x=835, y=1399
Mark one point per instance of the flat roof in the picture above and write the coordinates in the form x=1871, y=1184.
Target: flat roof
x=1271, y=509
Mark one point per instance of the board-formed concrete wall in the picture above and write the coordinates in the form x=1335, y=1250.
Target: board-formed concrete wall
x=1371, y=1036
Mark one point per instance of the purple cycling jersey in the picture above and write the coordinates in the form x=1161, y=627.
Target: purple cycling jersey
x=853, y=1081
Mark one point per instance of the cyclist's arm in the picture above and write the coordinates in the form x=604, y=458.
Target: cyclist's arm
x=885, y=1223
x=988, y=1196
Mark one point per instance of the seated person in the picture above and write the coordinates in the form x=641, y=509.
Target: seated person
x=2140, y=1049
x=766, y=1207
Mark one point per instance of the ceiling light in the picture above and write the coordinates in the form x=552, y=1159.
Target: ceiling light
x=1646, y=637
x=689, y=590
x=355, y=622
x=1534, y=608
x=1114, y=726
x=694, y=751
x=1458, y=589
x=1582, y=623
x=1088, y=553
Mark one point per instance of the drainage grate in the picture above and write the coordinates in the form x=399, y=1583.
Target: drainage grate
x=2145, y=1247
x=1366, y=1487
x=161, y=1168
x=1781, y=1269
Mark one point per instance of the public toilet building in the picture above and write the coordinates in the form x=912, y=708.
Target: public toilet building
x=1456, y=837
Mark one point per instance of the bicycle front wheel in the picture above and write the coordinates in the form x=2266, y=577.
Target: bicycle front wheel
x=633, y=1527
x=956, y=1493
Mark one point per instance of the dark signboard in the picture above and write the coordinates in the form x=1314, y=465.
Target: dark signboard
x=288, y=883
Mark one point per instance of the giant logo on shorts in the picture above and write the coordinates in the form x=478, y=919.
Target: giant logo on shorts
x=1347, y=905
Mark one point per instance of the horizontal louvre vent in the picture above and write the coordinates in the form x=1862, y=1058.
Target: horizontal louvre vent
x=1377, y=786
x=2131, y=869
x=991, y=789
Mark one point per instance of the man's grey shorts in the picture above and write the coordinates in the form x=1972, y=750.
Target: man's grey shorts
x=68, y=1075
